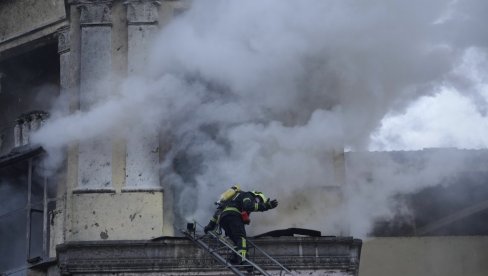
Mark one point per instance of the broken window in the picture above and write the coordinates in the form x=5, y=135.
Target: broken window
x=26, y=198
x=29, y=87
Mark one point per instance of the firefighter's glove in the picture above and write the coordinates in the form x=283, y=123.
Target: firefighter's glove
x=271, y=203
x=210, y=227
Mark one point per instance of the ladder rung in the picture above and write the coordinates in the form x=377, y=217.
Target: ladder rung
x=198, y=240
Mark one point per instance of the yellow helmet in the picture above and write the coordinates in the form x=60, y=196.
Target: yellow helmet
x=260, y=195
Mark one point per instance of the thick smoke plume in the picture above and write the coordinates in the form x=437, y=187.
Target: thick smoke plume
x=269, y=94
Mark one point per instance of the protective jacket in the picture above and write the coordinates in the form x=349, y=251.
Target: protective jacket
x=231, y=216
x=241, y=202
x=244, y=201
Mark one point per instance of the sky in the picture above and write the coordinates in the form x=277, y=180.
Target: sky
x=270, y=94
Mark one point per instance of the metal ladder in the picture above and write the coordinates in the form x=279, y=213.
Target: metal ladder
x=216, y=246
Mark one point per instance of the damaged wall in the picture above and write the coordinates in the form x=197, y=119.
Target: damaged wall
x=113, y=188
x=116, y=216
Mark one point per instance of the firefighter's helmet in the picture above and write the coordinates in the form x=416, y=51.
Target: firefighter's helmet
x=260, y=195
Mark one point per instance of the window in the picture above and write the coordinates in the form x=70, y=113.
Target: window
x=25, y=201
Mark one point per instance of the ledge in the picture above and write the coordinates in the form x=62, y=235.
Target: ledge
x=93, y=191
x=142, y=190
x=179, y=256
x=20, y=153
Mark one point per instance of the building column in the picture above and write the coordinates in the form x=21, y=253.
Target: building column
x=64, y=47
x=142, y=21
x=95, y=156
x=142, y=162
x=66, y=85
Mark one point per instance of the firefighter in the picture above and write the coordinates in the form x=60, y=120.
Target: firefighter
x=232, y=215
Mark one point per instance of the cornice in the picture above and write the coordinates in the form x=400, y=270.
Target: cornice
x=178, y=256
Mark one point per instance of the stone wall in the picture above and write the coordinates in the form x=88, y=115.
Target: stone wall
x=179, y=256
x=425, y=256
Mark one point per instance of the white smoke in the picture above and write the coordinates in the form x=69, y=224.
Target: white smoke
x=268, y=93
x=453, y=116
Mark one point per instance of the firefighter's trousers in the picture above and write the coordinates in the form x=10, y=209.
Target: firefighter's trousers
x=234, y=229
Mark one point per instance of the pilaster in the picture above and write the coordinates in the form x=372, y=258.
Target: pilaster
x=143, y=144
x=66, y=70
x=98, y=207
x=67, y=85
x=64, y=41
x=142, y=21
x=95, y=156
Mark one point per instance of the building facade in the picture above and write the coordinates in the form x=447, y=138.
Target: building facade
x=106, y=211
x=101, y=209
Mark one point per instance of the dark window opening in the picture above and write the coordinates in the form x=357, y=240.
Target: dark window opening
x=29, y=82
x=26, y=198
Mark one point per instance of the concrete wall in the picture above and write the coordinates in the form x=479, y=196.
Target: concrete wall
x=116, y=216
x=425, y=256
x=332, y=256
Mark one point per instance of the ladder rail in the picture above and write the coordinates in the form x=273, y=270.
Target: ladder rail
x=268, y=256
x=214, y=253
x=191, y=233
x=229, y=246
x=254, y=246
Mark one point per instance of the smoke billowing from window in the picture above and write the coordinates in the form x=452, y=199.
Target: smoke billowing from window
x=268, y=93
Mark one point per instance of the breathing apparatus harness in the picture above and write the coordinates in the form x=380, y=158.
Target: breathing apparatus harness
x=226, y=198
